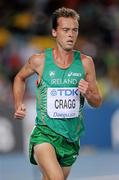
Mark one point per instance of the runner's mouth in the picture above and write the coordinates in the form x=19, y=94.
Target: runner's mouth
x=70, y=42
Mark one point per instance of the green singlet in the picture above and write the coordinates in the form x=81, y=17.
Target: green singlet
x=59, y=103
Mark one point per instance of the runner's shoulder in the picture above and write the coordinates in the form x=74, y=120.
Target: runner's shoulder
x=37, y=59
x=87, y=62
x=86, y=58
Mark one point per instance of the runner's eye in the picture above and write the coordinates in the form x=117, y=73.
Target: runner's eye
x=65, y=29
x=75, y=29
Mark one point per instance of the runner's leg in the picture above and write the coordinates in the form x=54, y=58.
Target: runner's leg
x=46, y=159
x=66, y=171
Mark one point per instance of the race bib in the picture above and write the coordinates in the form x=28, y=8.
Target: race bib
x=63, y=102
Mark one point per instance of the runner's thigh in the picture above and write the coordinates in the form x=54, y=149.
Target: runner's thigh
x=46, y=159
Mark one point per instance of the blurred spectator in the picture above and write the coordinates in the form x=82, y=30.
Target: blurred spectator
x=5, y=90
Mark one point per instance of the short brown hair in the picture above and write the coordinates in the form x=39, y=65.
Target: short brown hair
x=63, y=12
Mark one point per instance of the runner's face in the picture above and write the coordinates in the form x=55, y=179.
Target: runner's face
x=66, y=32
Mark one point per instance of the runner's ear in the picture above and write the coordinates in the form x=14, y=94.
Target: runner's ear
x=54, y=33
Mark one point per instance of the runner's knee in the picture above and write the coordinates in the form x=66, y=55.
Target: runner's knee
x=57, y=177
x=53, y=177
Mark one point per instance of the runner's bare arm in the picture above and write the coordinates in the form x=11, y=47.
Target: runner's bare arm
x=89, y=87
x=32, y=66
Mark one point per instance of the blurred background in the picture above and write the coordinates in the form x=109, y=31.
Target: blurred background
x=25, y=28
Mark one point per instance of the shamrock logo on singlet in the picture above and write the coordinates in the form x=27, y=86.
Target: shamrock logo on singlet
x=52, y=73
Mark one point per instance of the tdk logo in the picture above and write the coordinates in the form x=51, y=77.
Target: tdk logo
x=64, y=92
x=53, y=92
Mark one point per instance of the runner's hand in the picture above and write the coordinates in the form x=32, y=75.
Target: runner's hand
x=20, y=112
x=83, y=87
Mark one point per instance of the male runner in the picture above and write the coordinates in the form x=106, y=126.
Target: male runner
x=65, y=78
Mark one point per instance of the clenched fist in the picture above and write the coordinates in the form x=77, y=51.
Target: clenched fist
x=20, y=112
x=83, y=87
